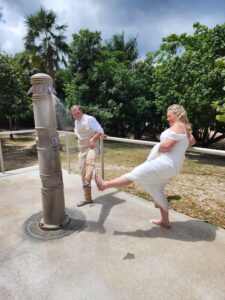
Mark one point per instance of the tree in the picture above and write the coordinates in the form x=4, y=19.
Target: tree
x=128, y=95
x=85, y=49
x=186, y=74
x=90, y=83
x=116, y=93
x=109, y=84
x=145, y=116
x=129, y=48
x=219, y=106
x=15, y=104
x=45, y=42
x=220, y=109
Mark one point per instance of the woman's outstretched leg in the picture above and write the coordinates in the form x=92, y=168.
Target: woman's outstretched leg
x=106, y=184
x=164, y=222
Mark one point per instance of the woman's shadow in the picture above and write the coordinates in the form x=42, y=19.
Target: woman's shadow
x=188, y=231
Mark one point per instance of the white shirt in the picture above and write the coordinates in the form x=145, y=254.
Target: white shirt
x=92, y=124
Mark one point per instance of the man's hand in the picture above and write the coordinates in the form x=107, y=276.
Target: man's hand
x=94, y=138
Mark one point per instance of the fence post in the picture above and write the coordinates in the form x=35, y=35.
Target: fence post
x=1, y=158
x=102, y=157
x=68, y=152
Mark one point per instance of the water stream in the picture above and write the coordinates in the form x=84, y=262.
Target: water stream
x=63, y=115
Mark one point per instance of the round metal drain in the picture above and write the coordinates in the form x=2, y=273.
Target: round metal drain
x=32, y=229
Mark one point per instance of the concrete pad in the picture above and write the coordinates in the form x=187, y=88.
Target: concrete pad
x=119, y=254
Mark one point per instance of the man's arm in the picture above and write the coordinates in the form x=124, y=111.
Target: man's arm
x=93, y=139
x=95, y=126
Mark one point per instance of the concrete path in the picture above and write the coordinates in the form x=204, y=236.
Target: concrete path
x=118, y=254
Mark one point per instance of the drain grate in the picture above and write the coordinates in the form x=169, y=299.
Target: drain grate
x=32, y=229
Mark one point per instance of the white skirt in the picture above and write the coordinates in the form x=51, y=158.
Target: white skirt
x=154, y=175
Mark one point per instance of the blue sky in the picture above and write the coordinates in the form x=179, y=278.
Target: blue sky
x=147, y=20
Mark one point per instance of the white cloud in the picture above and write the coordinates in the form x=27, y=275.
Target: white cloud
x=76, y=14
x=12, y=31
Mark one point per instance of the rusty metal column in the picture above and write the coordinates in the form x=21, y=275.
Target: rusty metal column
x=54, y=216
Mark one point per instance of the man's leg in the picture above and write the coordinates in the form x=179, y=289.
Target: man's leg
x=89, y=169
x=87, y=165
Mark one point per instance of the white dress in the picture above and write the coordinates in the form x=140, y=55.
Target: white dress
x=160, y=167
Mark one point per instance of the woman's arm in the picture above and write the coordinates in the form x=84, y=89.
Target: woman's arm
x=167, y=145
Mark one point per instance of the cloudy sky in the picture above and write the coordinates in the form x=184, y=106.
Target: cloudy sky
x=149, y=20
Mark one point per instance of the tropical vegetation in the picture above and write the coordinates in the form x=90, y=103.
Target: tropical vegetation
x=128, y=94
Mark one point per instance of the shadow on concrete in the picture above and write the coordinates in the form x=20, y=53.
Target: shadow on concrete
x=98, y=226
x=187, y=231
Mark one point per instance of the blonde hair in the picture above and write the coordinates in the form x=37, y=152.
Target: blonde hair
x=180, y=113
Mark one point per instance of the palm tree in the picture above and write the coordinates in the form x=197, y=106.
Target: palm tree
x=117, y=43
x=45, y=42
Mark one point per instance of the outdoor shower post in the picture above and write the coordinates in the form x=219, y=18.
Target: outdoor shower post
x=54, y=216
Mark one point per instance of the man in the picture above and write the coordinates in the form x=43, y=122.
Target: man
x=88, y=131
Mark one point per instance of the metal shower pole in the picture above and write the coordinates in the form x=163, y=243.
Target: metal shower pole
x=54, y=216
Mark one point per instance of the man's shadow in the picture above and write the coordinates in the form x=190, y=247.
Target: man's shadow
x=188, y=231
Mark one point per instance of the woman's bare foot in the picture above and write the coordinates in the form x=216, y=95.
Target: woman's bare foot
x=161, y=223
x=99, y=182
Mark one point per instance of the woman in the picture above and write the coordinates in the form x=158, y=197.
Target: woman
x=164, y=162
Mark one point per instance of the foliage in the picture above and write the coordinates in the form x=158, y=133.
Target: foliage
x=186, y=74
x=85, y=49
x=15, y=104
x=45, y=42
x=127, y=95
x=129, y=48
x=219, y=106
x=62, y=77
x=220, y=109
x=108, y=84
